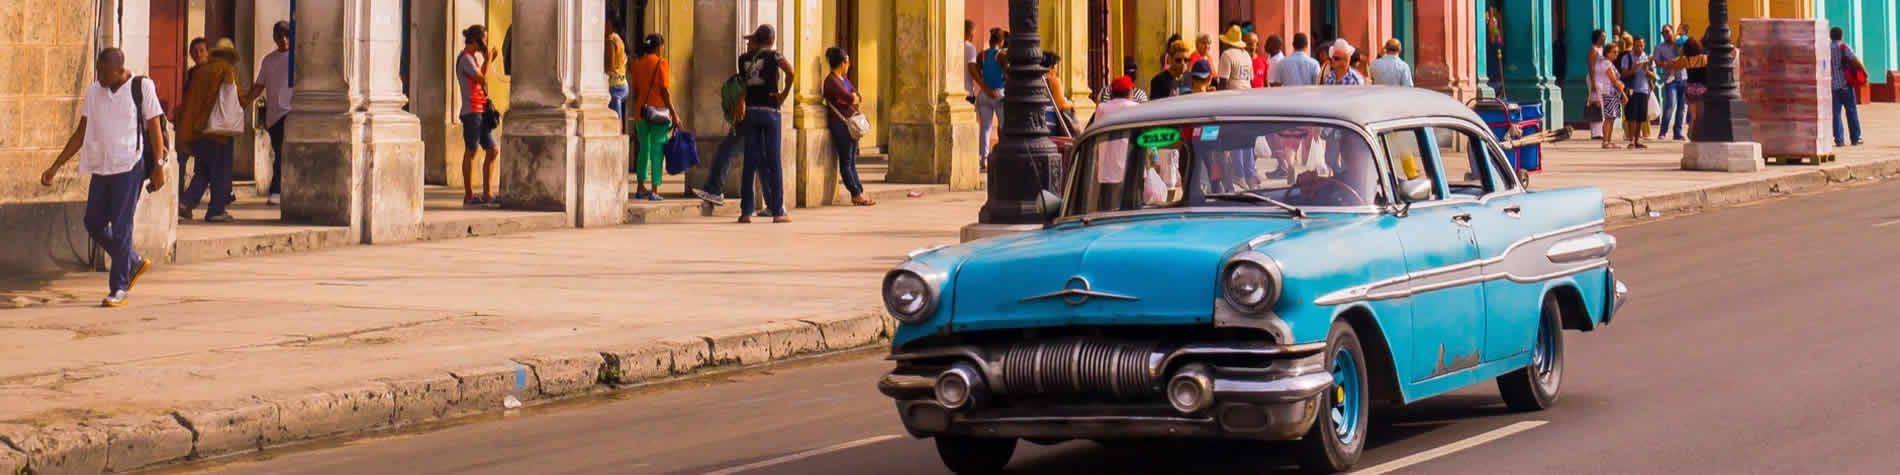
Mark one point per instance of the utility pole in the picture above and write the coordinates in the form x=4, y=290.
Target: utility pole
x=1024, y=163
x=1723, y=139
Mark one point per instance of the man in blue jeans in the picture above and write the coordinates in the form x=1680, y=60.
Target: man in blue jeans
x=111, y=140
x=1846, y=99
x=1675, y=107
x=768, y=82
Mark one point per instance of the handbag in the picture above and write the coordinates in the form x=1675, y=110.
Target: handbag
x=227, y=115
x=655, y=115
x=681, y=152
x=1593, y=112
x=856, y=123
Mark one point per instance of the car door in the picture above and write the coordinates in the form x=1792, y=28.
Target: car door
x=1441, y=260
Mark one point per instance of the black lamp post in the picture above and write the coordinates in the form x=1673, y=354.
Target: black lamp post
x=1024, y=162
x=1724, y=116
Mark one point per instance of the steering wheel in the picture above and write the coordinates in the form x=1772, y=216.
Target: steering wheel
x=1322, y=188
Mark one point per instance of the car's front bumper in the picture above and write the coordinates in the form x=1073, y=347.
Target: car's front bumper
x=1278, y=402
x=1617, y=295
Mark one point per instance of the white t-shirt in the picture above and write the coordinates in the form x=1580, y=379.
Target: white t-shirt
x=112, y=134
x=1606, y=76
x=274, y=74
x=969, y=58
x=1237, y=68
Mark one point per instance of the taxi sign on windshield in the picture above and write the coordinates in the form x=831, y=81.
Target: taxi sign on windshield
x=1158, y=137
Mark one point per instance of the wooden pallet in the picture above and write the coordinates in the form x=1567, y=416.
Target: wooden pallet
x=1799, y=159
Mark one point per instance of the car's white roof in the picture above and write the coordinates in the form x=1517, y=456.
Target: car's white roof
x=1356, y=104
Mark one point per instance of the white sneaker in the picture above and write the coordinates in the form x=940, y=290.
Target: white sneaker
x=117, y=298
x=275, y=199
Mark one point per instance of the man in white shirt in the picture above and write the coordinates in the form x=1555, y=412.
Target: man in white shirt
x=1391, y=70
x=1236, y=68
x=970, y=69
x=110, y=149
x=273, y=81
x=1295, y=69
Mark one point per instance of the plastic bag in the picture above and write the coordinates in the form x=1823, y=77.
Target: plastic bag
x=227, y=116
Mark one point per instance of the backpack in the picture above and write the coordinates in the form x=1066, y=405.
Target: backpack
x=729, y=95
x=1855, y=75
x=148, y=155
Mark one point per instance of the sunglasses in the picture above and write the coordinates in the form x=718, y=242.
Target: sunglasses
x=1180, y=60
x=1341, y=58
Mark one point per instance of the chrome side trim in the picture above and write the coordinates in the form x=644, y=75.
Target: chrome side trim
x=1622, y=297
x=1512, y=265
x=1581, y=248
x=1215, y=210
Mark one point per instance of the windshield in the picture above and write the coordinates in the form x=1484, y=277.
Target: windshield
x=1272, y=165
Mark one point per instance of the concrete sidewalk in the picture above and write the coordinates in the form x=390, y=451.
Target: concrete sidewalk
x=228, y=356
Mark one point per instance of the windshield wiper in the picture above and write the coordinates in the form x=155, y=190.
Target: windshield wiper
x=1258, y=198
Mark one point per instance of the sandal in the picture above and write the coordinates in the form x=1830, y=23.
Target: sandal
x=863, y=201
x=1639, y=146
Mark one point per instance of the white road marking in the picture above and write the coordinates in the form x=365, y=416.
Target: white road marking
x=805, y=455
x=1889, y=223
x=1450, y=448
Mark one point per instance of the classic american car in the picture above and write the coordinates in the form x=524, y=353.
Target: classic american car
x=1254, y=265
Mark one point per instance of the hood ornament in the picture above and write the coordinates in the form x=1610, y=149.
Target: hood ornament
x=1076, y=292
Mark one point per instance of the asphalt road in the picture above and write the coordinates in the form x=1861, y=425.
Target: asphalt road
x=1762, y=339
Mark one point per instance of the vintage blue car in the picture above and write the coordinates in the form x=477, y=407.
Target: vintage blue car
x=1256, y=265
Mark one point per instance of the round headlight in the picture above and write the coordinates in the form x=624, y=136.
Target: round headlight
x=1249, y=286
x=907, y=296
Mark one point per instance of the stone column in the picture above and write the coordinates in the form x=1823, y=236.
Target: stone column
x=1878, y=53
x=933, y=129
x=803, y=40
x=1644, y=18
x=1284, y=18
x=1527, y=61
x=1481, y=36
x=1447, y=49
x=352, y=156
x=1581, y=19
x=435, y=39
x=1365, y=23
x=1065, y=31
x=562, y=149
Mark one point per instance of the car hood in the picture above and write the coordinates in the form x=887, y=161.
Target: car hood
x=1155, y=271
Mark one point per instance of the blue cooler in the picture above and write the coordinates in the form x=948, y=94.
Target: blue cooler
x=1529, y=119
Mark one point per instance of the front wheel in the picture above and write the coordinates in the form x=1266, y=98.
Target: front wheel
x=1335, y=441
x=975, y=455
x=1535, y=387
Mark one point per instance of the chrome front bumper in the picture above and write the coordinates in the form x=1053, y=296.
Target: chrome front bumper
x=1618, y=295
x=1277, y=402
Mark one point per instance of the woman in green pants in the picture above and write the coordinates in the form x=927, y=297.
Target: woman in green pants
x=653, y=83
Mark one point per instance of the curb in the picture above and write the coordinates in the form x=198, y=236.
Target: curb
x=1618, y=210
x=207, y=431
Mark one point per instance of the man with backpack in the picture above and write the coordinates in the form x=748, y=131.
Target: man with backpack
x=751, y=99
x=120, y=142
x=989, y=93
x=1848, y=74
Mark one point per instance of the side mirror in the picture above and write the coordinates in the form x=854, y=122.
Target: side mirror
x=1418, y=189
x=1049, y=205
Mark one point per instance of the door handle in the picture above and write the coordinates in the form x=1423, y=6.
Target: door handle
x=1463, y=219
x=1513, y=210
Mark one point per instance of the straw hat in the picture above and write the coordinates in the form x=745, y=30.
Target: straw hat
x=1233, y=37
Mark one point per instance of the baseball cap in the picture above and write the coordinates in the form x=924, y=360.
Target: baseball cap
x=763, y=33
x=1201, y=70
x=1121, y=84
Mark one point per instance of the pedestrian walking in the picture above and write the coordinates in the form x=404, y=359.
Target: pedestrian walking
x=1201, y=77
x=843, y=99
x=1390, y=69
x=118, y=129
x=971, y=71
x=654, y=100
x=1172, y=80
x=1340, y=71
x=1236, y=60
x=478, y=114
x=214, y=152
x=1609, y=92
x=764, y=70
x=1297, y=69
x=1846, y=92
x=1635, y=65
x=1129, y=69
x=273, y=82
x=1674, y=107
x=1595, y=54
x=198, y=51
x=989, y=101
x=616, y=67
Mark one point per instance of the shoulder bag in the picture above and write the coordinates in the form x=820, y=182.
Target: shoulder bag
x=655, y=115
x=1855, y=74
x=856, y=123
x=227, y=115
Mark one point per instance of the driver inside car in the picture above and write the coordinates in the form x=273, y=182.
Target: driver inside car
x=1349, y=184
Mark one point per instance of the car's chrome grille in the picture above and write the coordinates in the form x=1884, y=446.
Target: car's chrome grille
x=1076, y=366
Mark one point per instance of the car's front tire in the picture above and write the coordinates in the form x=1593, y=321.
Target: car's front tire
x=1337, y=438
x=1535, y=387
x=975, y=455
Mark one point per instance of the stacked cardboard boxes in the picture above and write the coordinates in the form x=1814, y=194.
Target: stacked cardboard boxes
x=1786, y=80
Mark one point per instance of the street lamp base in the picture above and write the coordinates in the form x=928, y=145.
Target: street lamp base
x=1722, y=156
x=977, y=231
